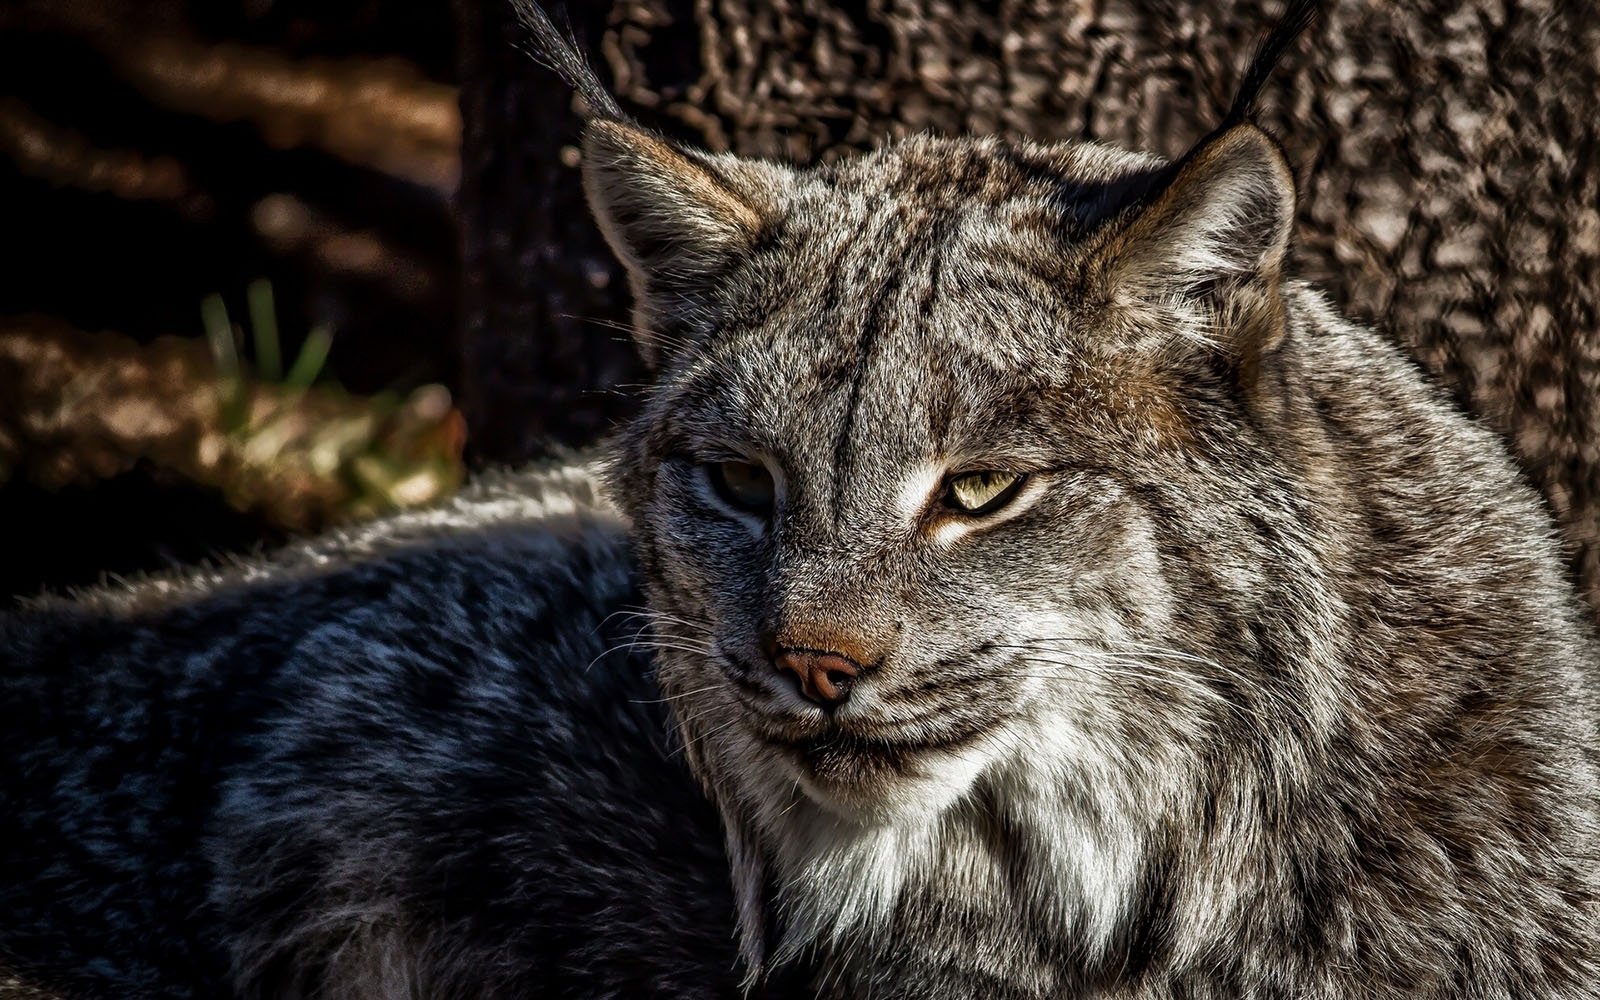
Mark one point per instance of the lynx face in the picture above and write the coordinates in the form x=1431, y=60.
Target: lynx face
x=953, y=508
x=901, y=488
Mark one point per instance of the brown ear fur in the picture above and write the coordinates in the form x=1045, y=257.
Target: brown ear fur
x=674, y=218
x=1208, y=250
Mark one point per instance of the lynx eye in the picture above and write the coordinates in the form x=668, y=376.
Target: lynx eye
x=743, y=485
x=981, y=492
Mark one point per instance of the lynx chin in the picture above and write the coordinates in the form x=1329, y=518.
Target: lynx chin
x=1050, y=597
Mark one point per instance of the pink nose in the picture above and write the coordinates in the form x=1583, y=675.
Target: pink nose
x=824, y=677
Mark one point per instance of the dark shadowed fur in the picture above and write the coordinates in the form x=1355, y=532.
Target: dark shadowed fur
x=1254, y=674
x=398, y=762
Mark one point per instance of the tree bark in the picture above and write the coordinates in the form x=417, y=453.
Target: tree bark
x=544, y=308
x=1448, y=152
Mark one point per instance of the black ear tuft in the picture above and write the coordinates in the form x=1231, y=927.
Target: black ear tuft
x=1296, y=17
x=559, y=53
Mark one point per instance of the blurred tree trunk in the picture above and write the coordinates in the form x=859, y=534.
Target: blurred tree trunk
x=542, y=298
x=1448, y=150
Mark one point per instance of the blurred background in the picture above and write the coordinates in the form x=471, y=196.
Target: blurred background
x=273, y=264
x=229, y=307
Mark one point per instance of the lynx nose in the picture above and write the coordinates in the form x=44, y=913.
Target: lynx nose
x=824, y=677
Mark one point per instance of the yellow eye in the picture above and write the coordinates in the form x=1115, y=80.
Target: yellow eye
x=981, y=492
x=745, y=485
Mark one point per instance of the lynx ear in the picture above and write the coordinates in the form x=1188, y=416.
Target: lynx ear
x=676, y=219
x=1207, y=249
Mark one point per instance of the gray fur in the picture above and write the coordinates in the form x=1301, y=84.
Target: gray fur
x=416, y=758
x=1266, y=683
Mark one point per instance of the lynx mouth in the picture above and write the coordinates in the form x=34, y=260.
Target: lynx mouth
x=841, y=754
x=856, y=753
x=876, y=779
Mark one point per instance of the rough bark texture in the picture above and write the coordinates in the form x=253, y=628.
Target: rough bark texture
x=1448, y=150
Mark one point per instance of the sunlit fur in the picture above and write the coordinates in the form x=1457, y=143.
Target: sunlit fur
x=1269, y=683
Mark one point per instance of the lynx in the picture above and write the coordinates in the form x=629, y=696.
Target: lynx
x=1050, y=595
